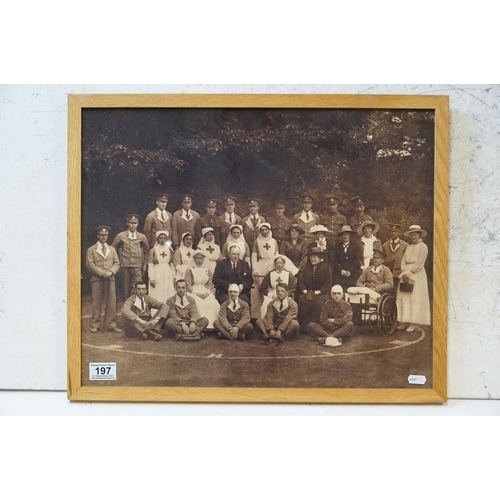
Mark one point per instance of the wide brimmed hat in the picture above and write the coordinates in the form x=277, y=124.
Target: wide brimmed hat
x=294, y=226
x=375, y=226
x=415, y=228
x=316, y=251
x=346, y=229
x=319, y=229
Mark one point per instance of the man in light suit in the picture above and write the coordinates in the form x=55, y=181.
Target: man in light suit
x=233, y=270
x=133, y=249
x=229, y=218
x=139, y=317
x=233, y=321
x=158, y=220
x=103, y=264
x=185, y=220
x=306, y=219
x=251, y=223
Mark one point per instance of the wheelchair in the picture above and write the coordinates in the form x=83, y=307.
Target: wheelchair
x=381, y=313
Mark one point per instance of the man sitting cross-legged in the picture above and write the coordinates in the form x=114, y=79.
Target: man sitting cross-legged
x=184, y=321
x=233, y=321
x=280, y=321
x=335, y=319
x=138, y=317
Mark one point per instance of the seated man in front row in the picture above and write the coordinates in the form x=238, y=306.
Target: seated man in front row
x=233, y=321
x=280, y=321
x=137, y=313
x=377, y=277
x=335, y=320
x=184, y=321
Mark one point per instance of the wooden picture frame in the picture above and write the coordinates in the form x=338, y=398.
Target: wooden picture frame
x=392, y=107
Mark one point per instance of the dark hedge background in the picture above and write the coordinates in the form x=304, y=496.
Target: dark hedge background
x=129, y=155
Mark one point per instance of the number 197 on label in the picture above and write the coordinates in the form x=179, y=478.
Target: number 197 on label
x=102, y=371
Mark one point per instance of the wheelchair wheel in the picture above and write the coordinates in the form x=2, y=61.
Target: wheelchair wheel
x=387, y=314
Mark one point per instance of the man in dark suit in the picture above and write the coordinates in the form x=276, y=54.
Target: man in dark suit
x=103, y=264
x=233, y=270
x=233, y=321
x=139, y=318
x=280, y=321
x=347, y=260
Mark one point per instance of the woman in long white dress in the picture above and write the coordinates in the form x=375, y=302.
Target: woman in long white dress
x=161, y=269
x=236, y=238
x=208, y=246
x=183, y=255
x=199, y=284
x=369, y=241
x=414, y=306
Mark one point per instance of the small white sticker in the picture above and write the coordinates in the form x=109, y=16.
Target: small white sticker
x=102, y=371
x=417, y=379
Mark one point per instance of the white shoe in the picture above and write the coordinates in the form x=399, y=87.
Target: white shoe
x=412, y=328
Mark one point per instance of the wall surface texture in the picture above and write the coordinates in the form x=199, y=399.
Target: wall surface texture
x=33, y=162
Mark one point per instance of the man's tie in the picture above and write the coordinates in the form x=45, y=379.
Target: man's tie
x=142, y=304
x=182, y=302
x=231, y=218
x=307, y=216
x=234, y=305
x=345, y=248
x=104, y=249
x=281, y=305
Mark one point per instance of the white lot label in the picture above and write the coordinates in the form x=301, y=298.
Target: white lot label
x=102, y=371
x=417, y=379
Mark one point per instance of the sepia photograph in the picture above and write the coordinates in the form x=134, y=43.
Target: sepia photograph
x=287, y=246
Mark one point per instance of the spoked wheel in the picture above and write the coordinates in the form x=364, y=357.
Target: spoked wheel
x=373, y=321
x=387, y=314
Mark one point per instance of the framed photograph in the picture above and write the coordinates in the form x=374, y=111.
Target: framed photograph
x=257, y=248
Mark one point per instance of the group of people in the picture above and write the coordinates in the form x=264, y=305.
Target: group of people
x=189, y=273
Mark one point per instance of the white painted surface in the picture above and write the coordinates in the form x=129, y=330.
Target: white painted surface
x=33, y=131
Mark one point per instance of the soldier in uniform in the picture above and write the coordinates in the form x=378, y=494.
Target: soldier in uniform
x=395, y=249
x=332, y=220
x=133, y=249
x=229, y=218
x=377, y=277
x=185, y=220
x=103, y=264
x=251, y=223
x=279, y=223
x=359, y=215
x=306, y=218
x=210, y=219
x=158, y=220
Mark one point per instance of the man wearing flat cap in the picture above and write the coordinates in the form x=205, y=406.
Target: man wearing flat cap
x=210, y=219
x=251, y=223
x=184, y=221
x=332, y=220
x=306, y=218
x=335, y=319
x=229, y=218
x=359, y=216
x=233, y=322
x=158, y=220
x=279, y=223
x=395, y=248
x=103, y=264
x=133, y=249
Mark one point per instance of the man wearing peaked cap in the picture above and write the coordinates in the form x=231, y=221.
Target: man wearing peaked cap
x=229, y=218
x=185, y=220
x=133, y=249
x=395, y=249
x=210, y=219
x=158, y=220
x=306, y=218
x=103, y=264
x=332, y=220
x=279, y=223
x=251, y=223
x=359, y=216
